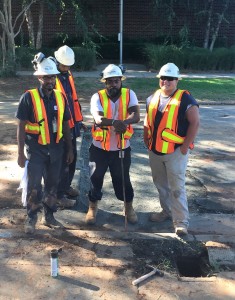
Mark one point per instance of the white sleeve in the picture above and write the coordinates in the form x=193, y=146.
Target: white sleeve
x=95, y=104
x=133, y=99
x=148, y=100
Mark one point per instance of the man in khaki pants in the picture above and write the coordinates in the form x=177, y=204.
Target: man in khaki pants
x=171, y=125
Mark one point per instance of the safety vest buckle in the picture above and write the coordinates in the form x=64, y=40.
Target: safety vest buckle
x=40, y=122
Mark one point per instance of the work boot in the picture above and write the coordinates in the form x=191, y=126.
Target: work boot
x=64, y=202
x=181, y=230
x=49, y=220
x=131, y=215
x=72, y=192
x=91, y=214
x=30, y=222
x=159, y=216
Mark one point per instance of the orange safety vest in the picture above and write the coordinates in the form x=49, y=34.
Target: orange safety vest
x=102, y=134
x=40, y=127
x=166, y=133
x=76, y=104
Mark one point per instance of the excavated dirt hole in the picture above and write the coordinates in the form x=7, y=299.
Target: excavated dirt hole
x=179, y=257
x=191, y=266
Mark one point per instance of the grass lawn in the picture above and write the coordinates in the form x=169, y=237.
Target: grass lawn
x=214, y=89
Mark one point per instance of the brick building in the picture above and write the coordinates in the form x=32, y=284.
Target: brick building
x=141, y=21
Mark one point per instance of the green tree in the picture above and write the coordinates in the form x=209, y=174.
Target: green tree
x=9, y=28
x=214, y=18
x=212, y=13
x=35, y=37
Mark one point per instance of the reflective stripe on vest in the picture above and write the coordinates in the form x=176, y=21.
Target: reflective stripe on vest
x=60, y=110
x=76, y=105
x=102, y=134
x=169, y=120
x=59, y=87
x=170, y=136
x=41, y=126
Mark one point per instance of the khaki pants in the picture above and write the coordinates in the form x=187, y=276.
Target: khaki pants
x=168, y=172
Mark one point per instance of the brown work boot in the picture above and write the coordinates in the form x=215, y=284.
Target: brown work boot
x=131, y=215
x=91, y=214
x=72, y=192
x=30, y=222
x=64, y=202
x=159, y=216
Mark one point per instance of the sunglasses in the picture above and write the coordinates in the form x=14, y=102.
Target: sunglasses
x=168, y=78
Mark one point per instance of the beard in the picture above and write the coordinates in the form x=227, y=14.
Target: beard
x=114, y=92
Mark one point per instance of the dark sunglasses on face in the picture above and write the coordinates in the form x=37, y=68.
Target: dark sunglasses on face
x=168, y=78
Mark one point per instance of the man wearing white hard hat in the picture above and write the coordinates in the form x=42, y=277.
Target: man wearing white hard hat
x=65, y=58
x=170, y=127
x=43, y=128
x=114, y=109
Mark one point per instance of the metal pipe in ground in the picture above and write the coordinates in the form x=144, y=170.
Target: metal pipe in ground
x=123, y=180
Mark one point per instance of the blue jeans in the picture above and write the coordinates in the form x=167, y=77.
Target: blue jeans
x=110, y=159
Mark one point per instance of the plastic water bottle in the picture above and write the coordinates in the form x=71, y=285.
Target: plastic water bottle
x=54, y=263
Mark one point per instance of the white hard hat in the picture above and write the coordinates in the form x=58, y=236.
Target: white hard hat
x=112, y=71
x=46, y=67
x=170, y=70
x=65, y=56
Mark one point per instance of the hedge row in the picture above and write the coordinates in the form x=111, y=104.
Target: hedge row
x=200, y=59
x=152, y=55
x=85, y=58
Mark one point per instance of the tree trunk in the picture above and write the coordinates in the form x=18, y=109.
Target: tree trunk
x=220, y=19
x=40, y=26
x=4, y=50
x=208, y=25
x=10, y=28
x=29, y=20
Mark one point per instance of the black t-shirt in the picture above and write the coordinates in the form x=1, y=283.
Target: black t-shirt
x=25, y=112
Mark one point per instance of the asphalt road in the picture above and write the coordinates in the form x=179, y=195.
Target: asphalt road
x=97, y=262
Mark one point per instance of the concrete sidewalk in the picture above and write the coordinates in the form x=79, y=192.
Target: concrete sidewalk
x=140, y=71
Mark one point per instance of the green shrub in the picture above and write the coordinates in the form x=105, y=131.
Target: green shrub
x=85, y=58
x=194, y=58
x=24, y=56
x=225, y=58
x=160, y=55
x=9, y=70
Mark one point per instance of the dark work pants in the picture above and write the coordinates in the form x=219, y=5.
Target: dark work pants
x=110, y=159
x=41, y=166
x=67, y=171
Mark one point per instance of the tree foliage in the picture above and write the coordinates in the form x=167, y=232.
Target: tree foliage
x=209, y=12
x=10, y=28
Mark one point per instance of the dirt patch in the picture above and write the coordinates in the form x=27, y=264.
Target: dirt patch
x=13, y=88
x=168, y=255
x=9, y=169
